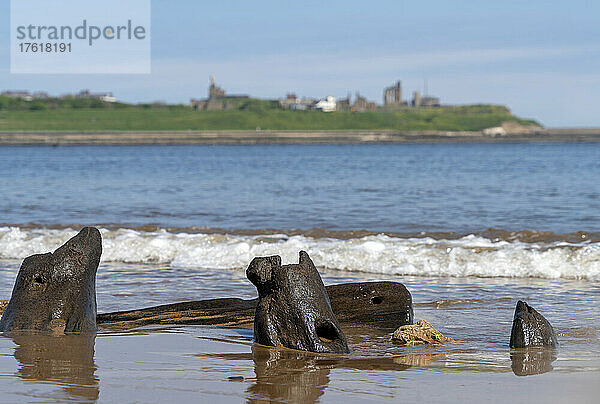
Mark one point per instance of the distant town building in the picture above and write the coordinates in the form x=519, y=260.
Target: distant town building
x=108, y=98
x=343, y=104
x=105, y=97
x=429, y=101
x=291, y=101
x=361, y=104
x=217, y=100
x=300, y=106
x=24, y=95
x=425, y=101
x=416, y=101
x=326, y=105
x=393, y=95
x=40, y=95
x=215, y=91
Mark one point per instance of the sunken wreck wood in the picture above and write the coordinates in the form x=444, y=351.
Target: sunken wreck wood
x=531, y=329
x=349, y=303
x=293, y=307
x=228, y=312
x=56, y=292
x=381, y=305
x=385, y=305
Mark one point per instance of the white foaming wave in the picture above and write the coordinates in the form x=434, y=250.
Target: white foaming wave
x=468, y=256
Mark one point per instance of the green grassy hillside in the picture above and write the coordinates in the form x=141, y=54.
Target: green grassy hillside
x=89, y=115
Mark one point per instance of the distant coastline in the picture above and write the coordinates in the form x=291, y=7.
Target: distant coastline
x=64, y=138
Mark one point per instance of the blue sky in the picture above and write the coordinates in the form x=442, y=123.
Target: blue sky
x=541, y=58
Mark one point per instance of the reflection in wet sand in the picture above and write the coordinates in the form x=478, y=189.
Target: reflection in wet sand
x=532, y=361
x=295, y=376
x=67, y=359
x=287, y=375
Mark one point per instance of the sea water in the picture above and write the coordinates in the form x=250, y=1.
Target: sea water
x=469, y=229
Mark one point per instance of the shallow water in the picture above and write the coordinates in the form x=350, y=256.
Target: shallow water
x=191, y=366
x=202, y=363
x=182, y=223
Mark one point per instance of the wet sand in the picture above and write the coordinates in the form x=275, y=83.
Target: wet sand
x=290, y=137
x=198, y=364
x=202, y=363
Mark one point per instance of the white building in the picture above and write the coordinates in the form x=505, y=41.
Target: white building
x=104, y=97
x=24, y=95
x=327, y=105
x=108, y=98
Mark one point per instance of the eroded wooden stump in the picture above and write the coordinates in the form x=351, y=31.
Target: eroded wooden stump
x=381, y=305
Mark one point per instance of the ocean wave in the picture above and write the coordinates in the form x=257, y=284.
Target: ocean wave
x=470, y=255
